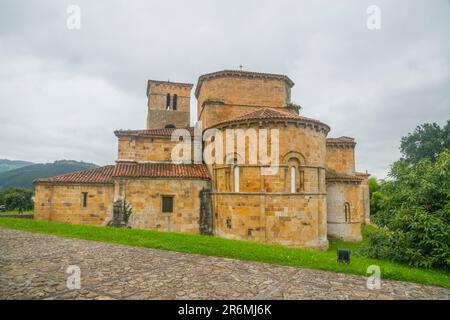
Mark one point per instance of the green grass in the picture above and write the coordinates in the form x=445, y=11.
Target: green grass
x=244, y=250
x=17, y=212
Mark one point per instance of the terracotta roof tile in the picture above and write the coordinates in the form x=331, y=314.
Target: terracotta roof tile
x=266, y=113
x=332, y=175
x=104, y=175
x=97, y=175
x=363, y=174
x=164, y=132
x=161, y=170
x=341, y=141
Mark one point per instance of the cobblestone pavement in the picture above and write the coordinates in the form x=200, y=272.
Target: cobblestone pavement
x=33, y=266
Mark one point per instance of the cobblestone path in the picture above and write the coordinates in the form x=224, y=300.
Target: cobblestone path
x=33, y=266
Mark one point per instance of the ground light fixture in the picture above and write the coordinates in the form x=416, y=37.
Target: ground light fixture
x=343, y=255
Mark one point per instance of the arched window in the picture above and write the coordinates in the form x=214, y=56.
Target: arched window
x=293, y=179
x=347, y=211
x=168, y=126
x=175, y=100
x=168, y=101
x=236, y=178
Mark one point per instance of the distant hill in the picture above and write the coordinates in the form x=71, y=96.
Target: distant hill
x=6, y=165
x=23, y=177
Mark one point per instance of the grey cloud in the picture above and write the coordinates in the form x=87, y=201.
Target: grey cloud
x=62, y=92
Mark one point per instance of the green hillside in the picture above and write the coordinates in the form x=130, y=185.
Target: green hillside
x=23, y=177
x=6, y=165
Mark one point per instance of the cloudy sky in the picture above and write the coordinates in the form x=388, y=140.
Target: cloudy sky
x=63, y=91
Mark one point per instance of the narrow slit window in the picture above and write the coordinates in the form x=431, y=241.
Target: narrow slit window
x=167, y=204
x=175, y=101
x=84, y=199
x=293, y=180
x=168, y=101
x=347, y=211
x=236, y=178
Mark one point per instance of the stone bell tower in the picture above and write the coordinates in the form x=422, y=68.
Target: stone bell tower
x=168, y=104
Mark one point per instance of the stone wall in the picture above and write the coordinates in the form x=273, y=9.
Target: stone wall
x=287, y=219
x=341, y=159
x=145, y=197
x=63, y=203
x=145, y=148
x=264, y=209
x=137, y=148
x=342, y=226
x=161, y=118
x=242, y=92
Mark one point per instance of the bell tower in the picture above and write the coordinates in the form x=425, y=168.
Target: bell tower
x=168, y=104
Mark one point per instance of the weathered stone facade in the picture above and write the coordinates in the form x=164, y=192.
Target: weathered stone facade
x=63, y=203
x=312, y=194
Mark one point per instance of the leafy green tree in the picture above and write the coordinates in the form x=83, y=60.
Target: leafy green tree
x=415, y=212
x=375, y=195
x=426, y=142
x=17, y=199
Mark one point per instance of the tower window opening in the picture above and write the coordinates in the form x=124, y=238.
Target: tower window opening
x=168, y=101
x=175, y=101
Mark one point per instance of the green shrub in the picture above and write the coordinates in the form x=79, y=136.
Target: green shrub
x=414, y=214
x=17, y=199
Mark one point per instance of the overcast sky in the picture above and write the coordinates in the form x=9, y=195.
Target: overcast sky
x=63, y=92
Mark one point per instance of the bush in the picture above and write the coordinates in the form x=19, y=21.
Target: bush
x=17, y=199
x=414, y=213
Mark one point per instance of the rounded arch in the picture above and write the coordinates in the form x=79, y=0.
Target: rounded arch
x=294, y=156
x=169, y=126
x=233, y=158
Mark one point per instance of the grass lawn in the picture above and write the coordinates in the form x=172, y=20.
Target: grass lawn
x=17, y=212
x=244, y=250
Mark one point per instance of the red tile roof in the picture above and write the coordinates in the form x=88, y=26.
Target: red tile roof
x=341, y=141
x=335, y=176
x=97, y=175
x=266, y=113
x=363, y=174
x=104, y=175
x=161, y=170
x=164, y=132
x=240, y=73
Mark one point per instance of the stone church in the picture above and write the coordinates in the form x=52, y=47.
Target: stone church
x=315, y=194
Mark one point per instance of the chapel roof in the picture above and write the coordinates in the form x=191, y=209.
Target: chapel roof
x=163, y=132
x=160, y=170
x=266, y=113
x=105, y=175
x=334, y=176
x=243, y=74
x=96, y=175
x=341, y=141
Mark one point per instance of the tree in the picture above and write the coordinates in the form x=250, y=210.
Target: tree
x=374, y=195
x=426, y=142
x=415, y=213
x=17, y=199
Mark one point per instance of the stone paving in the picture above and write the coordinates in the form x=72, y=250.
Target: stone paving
x=33, y=266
